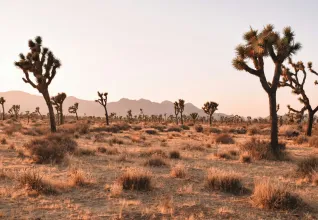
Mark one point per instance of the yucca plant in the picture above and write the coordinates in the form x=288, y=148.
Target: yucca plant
x=257, y=46
x=57, y=102
x=292, y=80
x=73, y=110
x=2, y=101
x=103, y=101
x=209, y=108
x=41, y=62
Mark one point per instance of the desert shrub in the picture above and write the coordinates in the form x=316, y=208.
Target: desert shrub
x=101, y=149
x=116, y=128
x=33, y=180
x=115, y=140
x=84, y=152
x=153, y=151
x=307, y=166
x=77, y=178
x=224, y=181
x=245, y=157
x=224, y=139
x=288, y=131
x=194, y=147
x=12, y=128
x=198, y=128
x=174, y=129
x=223, y=155
x=174, y=154
x=215, y=130
x=238, y=130
x=3, y=141
x=160, y=128
x=155, y=161
x=136, y=179
x=151, y=131
x=179, y=171
x=261, y=149
x=253, y=130
x=270, y=195
x=301, y=139
x=80, y=127
x=136, y=128
x=36, y=131
x=313, y=141
x=185, y=127
x=51, y=148
x=314, y=178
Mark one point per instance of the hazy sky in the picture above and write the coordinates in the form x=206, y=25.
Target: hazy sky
x=157, y=50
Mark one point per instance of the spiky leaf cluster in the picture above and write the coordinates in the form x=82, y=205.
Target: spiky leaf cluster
x=73, y=109
x=2, y=100
x=210, y=107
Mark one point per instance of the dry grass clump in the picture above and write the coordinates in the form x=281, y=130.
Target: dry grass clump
x=153, y=151
x=224, y=181
x=174, y=154
x=301, y=139
x=314, y=178
x=77, y=178
x=179, y=171
x=151, y=131
x=84, y=152
x=261, y=149
x=116, y=128
x=307, y=166
x=228, y=154
x=115, y=140
x=51, y=148
x=155, y=161
x=102, y=150
x=115, y=189
x=12, y=128
x=245, y=157
x=270, y=195
x=34, y=181
x=194, y=147
x=215, y=130
x=174, y=129
x=224, y=139
x=3, y=141
x=313, y=141
x=288, y=131
x=238, y=130
x=160, y=128
x=253, y=130
x=36, y=131
x=136, y=179
x=80, y=127
x=199, y=128
x=185, y=127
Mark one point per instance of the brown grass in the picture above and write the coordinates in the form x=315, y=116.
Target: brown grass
x=155, y=161
x=174, y=154
x=136, y=179
x=179, y=171
x=224, y=139
x=313, y=141
x=306, y=167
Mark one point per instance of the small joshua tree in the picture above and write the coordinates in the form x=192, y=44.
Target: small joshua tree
x=209, y=108
x=57, y=101
x=2, y=101
x=73, y=110
x=259, y=45
x=41, y=62
x=14, y=110
x=37, y=110
x=129, y=115
x=194, y=116
x=181, y=107
x=103, y=101
x=291, y=79
x=176, y=111
x=27, y=113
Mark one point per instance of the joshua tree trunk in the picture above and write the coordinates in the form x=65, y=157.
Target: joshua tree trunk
x=181, y=118
x=177, y=119
x=46, y=96
x=210, y=120
x=106, y=116
x=3, y=117
x=310, y=122
x=274, y=121
x=61, y=116
x=76, y=116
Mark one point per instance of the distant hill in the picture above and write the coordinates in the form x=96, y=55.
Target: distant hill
x=29, y=102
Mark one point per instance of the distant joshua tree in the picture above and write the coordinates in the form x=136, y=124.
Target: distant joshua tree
x=27, y=113
x=292, y=80
x=73, y=110
x=57, y=101
x=259, y=45
x=176, y=111
x=181, y=109
x=194, y=116
x=2, y=101
x=14, y=110
x=37, y=110
x=129, y=115
x=42, y=63
x=103, y=101
x=209, y=108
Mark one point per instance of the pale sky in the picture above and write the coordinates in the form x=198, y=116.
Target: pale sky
x=157, y=50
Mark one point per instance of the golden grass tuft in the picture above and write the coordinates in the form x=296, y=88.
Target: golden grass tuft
x=179, y=171
x=136, y=179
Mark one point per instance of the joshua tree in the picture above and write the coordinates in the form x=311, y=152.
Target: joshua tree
x=2, y=101
x=73, y=110
x=103, y=101
x=209, y=108
x=28, y=115
x=181, y=107
x=194, y=116
x=57, y=101
x=176, y=110
x=292, y=80
x=14, y=110
x=37, y=110
x=43, y=64
x=259, y=45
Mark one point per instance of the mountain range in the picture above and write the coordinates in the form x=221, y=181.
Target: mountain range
x=29, y=102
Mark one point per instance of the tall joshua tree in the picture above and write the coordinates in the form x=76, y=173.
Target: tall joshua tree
x=57, y=101
x=73, y=110
x=296, y=83
x=103, y=101
x=37, y=110
x=41, y=62
x=176, y=110
x=14, y=110
x=257, y=46
x=181, y=107
x=194, y=117
x=2, y=101
x=209, y=108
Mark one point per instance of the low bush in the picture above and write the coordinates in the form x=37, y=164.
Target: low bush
x=224, y=139
x=136, y=179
